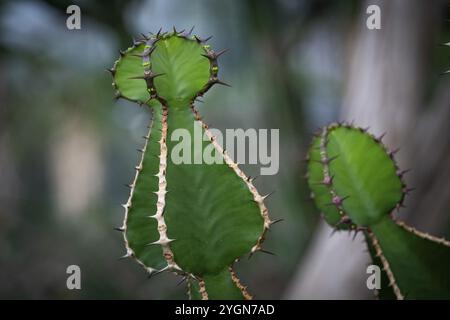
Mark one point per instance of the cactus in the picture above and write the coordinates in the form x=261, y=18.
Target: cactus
x=357, y=185
x=194, y=220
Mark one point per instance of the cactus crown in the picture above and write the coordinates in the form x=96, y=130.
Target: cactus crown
x=357, y=185
x=194, y=220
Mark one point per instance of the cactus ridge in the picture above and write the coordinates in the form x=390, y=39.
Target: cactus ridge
x=357, y=184
x=192, y=220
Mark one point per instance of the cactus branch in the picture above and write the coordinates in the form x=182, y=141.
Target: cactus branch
x=357, y=184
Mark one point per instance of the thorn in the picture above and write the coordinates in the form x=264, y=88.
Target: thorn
x=408, y=190
x=122, y=53
x=190, y=31
x=447, y=44
x=153, y=75
x=268, y=195
x=338, y=200
x=125, y=256
x=160, y=242
x=128, y=185
x=199, y=100
x=162, y=270
x=381, y=137
x=393, y=152
x=343, y=220
x=220, y=82
x=140, y=150
x=174, y=30
x=207, y=56
x=156, y=272
x=276, y=221
x=398, y=206
x=218, y=54
x=267, y=252
x=119, y=229
x=158, y=34
x=111, y=70
x=147, y=52
x=328, y=160
x=181, y=281
x=137, y=77
x=206, y=39
x=401, y=173
x=334, y=230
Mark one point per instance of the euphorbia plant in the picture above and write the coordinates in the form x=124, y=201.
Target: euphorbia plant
x=193, y=220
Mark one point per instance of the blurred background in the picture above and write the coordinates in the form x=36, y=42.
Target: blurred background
x=67, y=149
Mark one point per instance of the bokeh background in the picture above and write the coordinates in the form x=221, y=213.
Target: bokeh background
x=67, y=149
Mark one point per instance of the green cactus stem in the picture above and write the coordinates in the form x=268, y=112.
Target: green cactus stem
x=194, y=220
x=357, y=185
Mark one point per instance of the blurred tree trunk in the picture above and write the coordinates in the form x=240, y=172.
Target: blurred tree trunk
x=385, y=91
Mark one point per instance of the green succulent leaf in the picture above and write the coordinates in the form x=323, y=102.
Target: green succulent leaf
x=127, y=72
x=364, y=175
x=185, y=71
x=140, y=229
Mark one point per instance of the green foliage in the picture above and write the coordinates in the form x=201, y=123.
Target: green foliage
x=192, y=219
x=357, y=185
